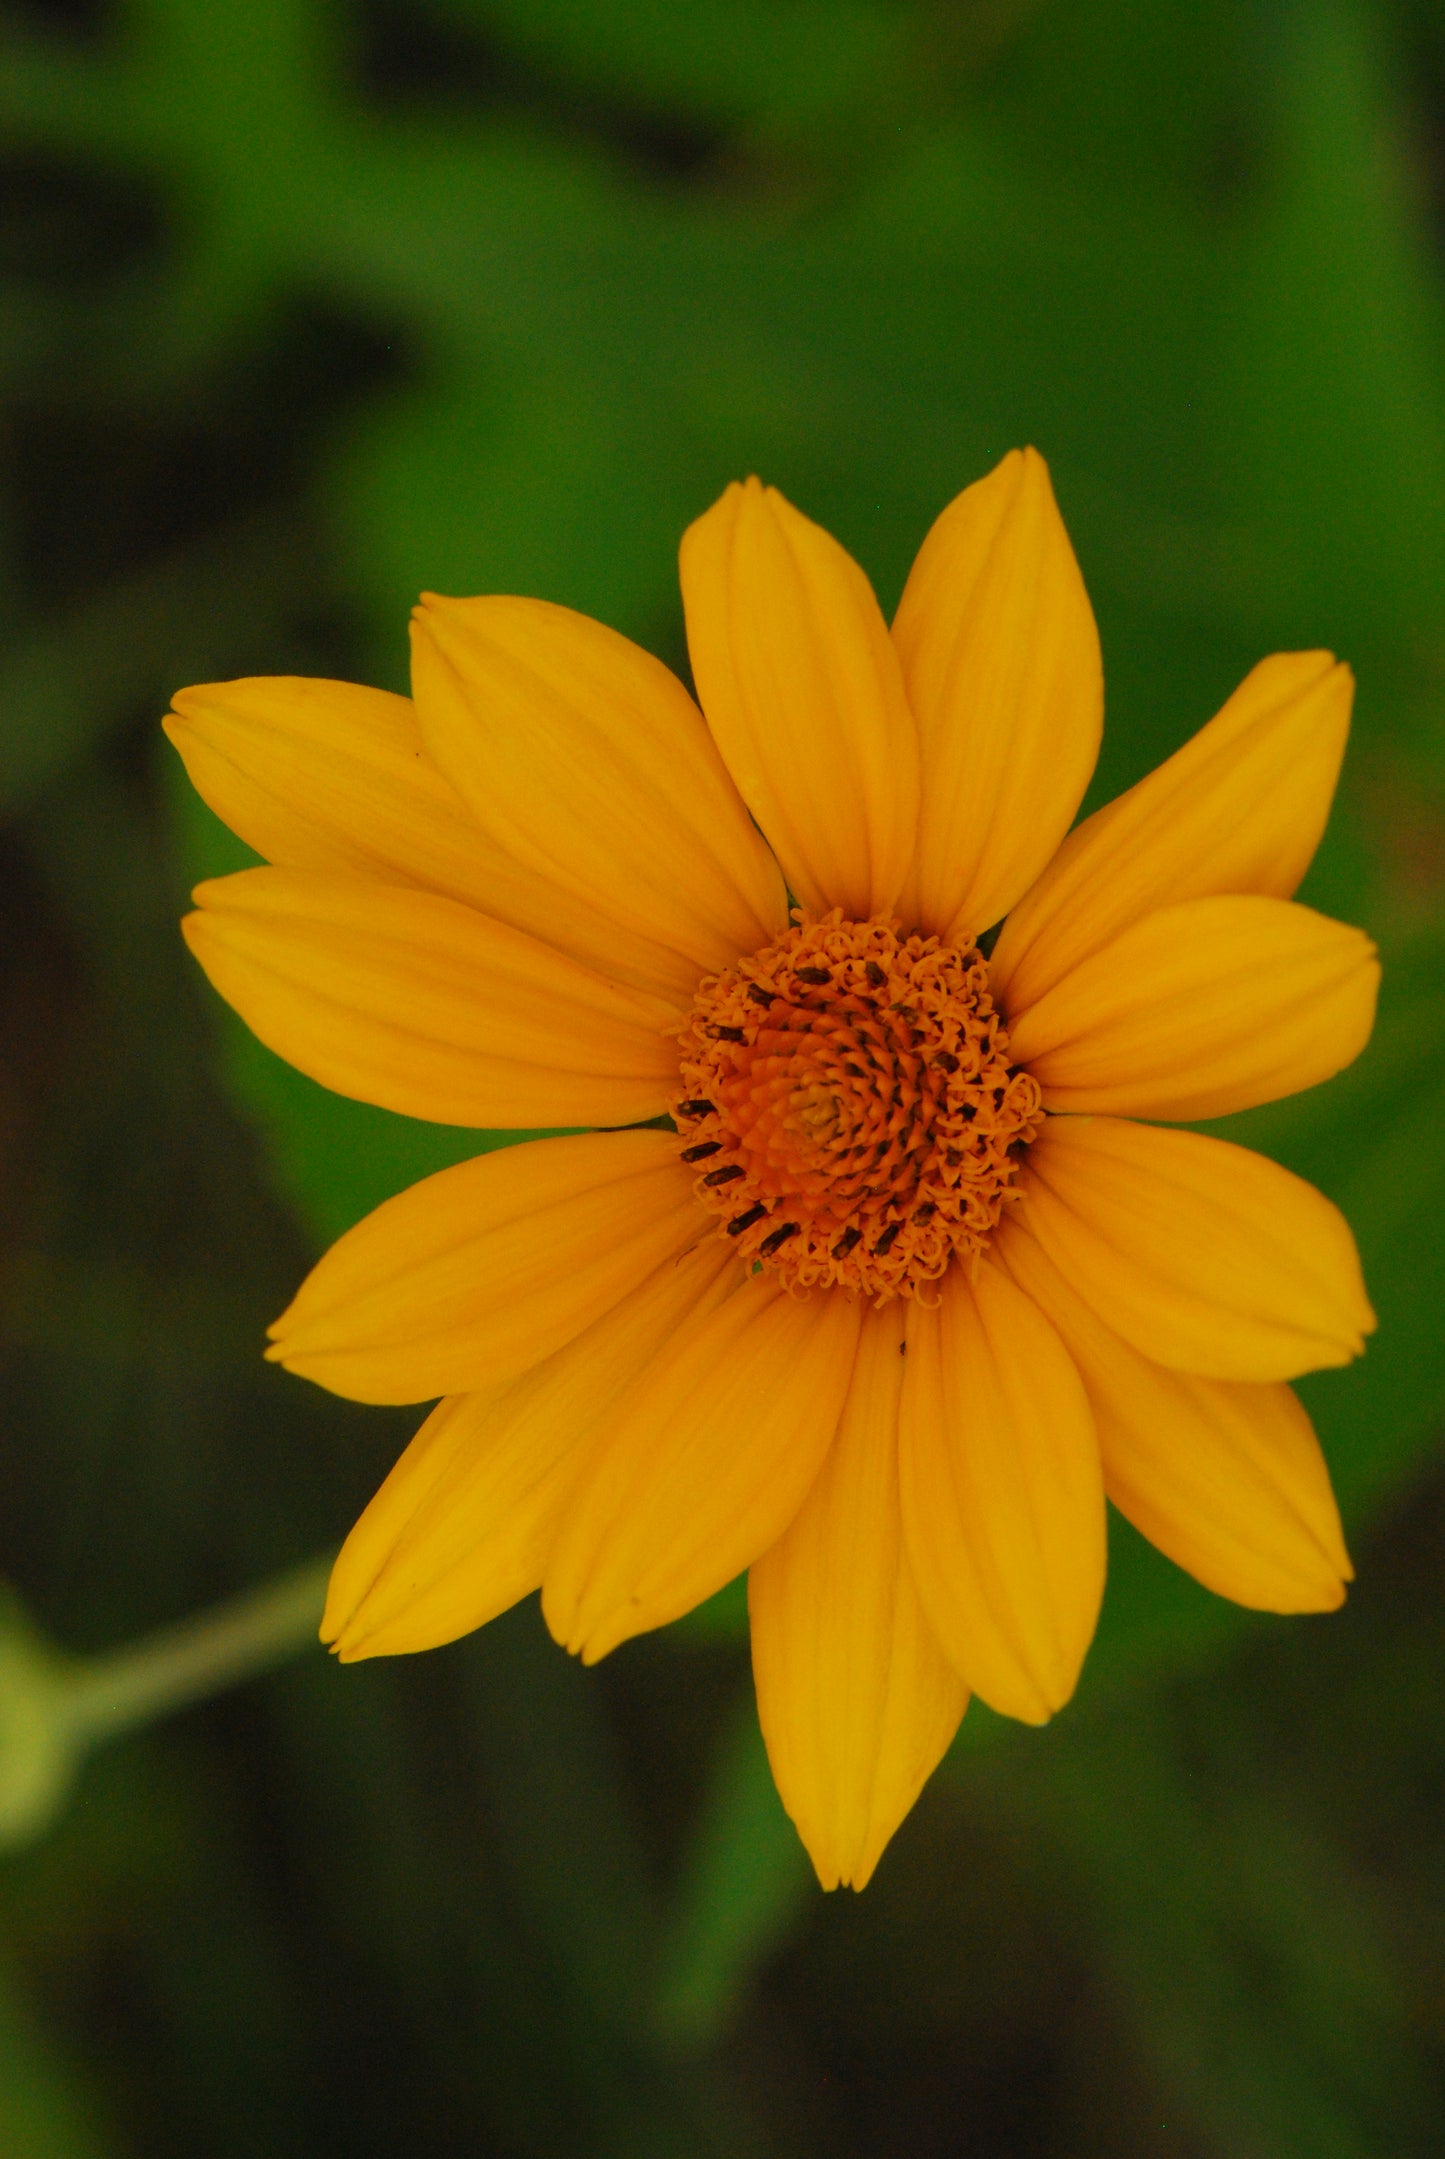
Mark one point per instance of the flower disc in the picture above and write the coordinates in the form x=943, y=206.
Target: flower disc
x=849, y=1101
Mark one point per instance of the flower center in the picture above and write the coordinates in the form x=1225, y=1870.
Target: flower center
x=848, y=1101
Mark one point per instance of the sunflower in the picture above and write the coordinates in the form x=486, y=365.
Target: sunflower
x=863, y=1275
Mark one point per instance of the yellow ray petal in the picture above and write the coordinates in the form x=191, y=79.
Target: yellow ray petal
x=1200, y=1009
x=430, y=1460
x=462, y=1527
x=1239, y=809
x=328, y=776
x=804, y=695
x=584, y=758
x=471, y=1277
x=1002, y=666
x=424, y=1006
x=701, y=1466
x=856, y=1698
x=1204, y=1255
x=1225, y=1477
x=1002, y=1493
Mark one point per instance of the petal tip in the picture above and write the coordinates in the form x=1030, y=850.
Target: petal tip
x=1323, y=1592
x=559, y=1616
x=347, y=1651
x=189, y=705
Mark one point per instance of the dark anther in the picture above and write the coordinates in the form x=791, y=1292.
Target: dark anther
x=874, y=973
x=697, y=1108
x=885, y=1243
x=778, y=1238
x=740, y=1222
x=925, y=1213
x=729, y=1034
x=702, y=1150
x=820, y=975
x=760, y=996
x=947, y=1059
x=726, y=1174
x=846, y=1242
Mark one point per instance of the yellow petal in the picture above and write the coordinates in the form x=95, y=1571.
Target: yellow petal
x=1002, y=666
x=1225, y=1477
x=471, y=1277
x=701, y=1466
x=1200, y=1009
x=328, y=776
x=804, y=695
x=1239, y=809
x=462, y=1527
x=857, y=1700
x=587, y=761
x=424, y=1006
x=1206, y=1256
x=1002, y=1492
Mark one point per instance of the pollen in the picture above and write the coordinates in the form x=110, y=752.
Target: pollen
x=849, y=1103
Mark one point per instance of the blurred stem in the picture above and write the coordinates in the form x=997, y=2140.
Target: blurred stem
x=263, y=1627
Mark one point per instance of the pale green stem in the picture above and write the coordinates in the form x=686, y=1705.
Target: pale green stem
x=126, y=1688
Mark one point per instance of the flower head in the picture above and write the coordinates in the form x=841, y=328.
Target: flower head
x=871, y=1284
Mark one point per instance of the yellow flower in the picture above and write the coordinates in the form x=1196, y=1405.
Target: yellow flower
x=907, y=1291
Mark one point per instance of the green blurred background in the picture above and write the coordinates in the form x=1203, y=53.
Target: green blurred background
x=308, y=304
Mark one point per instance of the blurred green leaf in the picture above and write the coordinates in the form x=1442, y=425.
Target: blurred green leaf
x=744, y=1877
x=571, y=1845
x=44, y=2110
x=1261, y=1976
x=183, y=620
x=789, y=62
x=1334, y=417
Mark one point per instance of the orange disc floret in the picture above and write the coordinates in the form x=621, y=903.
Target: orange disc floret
x=850, y=1106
